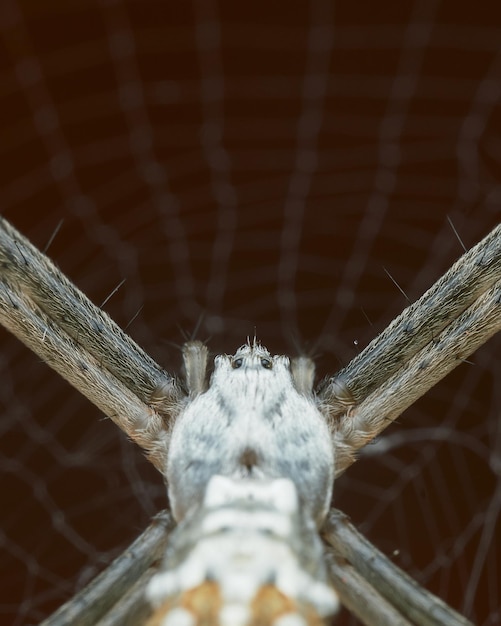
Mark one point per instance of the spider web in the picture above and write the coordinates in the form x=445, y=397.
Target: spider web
x=249, y=170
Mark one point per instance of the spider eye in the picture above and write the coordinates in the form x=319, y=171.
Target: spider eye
x=266, y=363
x=236, y=363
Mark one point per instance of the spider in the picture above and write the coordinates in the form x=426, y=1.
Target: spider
x=250, y=452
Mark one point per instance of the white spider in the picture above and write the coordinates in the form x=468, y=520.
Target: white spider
x=251, y=422
x=249, y=466
x=250, y=457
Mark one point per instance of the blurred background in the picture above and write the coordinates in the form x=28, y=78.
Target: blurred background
x=249, y=169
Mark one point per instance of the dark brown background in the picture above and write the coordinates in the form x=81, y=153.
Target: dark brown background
x=249, y=168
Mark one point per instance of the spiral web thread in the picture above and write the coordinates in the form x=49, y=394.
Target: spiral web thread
x=249, y=172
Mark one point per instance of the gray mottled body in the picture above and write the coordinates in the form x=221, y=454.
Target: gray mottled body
x=252, y=422
x=246, y=535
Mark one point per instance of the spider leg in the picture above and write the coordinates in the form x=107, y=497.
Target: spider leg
x=122, y=584
x=195, y=355
x=360, y=598
x=412, y=601
x=303, y=374
x=414, y=353
x=57, y=321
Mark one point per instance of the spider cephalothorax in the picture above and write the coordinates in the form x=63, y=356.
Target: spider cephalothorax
x=251, y=422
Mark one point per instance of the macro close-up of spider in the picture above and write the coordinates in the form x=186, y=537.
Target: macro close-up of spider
x=249, y=295
x=249, y=456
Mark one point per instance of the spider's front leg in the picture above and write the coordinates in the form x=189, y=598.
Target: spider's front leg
x=425, y=342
